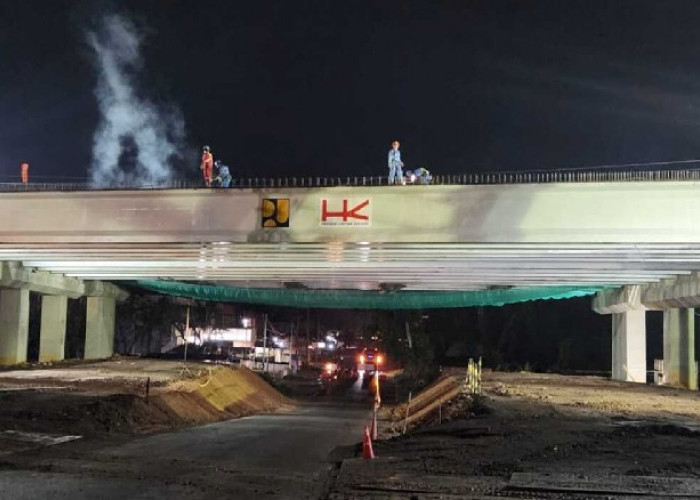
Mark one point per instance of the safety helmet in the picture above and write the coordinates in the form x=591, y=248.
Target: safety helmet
x=206, y=149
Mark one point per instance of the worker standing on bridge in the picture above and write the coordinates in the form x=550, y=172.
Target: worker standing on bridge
x=24, y=171
x=395, y=164
x=207, y=165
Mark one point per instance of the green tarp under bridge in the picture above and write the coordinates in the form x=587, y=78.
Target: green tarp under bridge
x=356, y=299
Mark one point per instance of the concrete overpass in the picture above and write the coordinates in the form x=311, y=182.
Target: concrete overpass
x=643, y=235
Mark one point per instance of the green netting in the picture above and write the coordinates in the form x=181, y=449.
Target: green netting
x=355, y=299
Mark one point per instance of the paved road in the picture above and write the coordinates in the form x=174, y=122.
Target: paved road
x=283, y=455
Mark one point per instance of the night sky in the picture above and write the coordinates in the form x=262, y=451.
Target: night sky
x=294, y=88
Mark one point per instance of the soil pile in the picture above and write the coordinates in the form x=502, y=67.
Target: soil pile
x=216, y=393
x=534, y=435
x=220, y=394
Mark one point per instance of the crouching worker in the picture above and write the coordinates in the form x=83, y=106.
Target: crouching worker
x=223, y=174
x=422, y=176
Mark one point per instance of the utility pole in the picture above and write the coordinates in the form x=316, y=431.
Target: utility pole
x=265, y=345
x=184, y=336
x=291, y=342
x=308, y=336
x=318, y=337
x=185, y=370
x=296, y=345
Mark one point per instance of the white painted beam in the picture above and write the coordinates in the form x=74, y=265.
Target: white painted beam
x=528, y=213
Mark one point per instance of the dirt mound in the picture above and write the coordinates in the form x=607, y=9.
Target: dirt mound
x=220, y=393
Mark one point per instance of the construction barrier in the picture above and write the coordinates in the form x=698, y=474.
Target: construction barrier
x=373, y=428
x=472, y=382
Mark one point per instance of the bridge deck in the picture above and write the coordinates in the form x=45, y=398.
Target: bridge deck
x=423, y=237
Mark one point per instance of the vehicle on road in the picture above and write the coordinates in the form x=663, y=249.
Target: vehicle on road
x=330, y=371
x=369, y=360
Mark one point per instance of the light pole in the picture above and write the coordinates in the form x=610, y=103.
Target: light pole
x=377, y=397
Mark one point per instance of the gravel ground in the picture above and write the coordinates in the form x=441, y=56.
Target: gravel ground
x=541, y=436
x=528, y=436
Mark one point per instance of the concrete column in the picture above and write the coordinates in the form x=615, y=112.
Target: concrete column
x=629, y=347
x=99, y=328
x=53, y=328
x=14, y=325
x=679, y=348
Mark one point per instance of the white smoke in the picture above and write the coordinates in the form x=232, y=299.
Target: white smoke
x=136, y=141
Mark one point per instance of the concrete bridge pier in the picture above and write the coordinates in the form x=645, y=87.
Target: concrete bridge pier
x=628, y=305
x=629, y=347
x=52, y=337
x=629, y=333
x=101, y=317
x=679, y=348
x=14, y=325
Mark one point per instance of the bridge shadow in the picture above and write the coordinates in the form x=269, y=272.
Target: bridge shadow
x=491, y=214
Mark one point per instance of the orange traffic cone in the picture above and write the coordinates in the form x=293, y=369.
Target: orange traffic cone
x=367, y=451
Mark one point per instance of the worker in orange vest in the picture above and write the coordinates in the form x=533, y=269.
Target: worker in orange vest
x=24, y=169
x=207, y=165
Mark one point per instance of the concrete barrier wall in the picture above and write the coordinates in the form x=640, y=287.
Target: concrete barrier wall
x=624, y=212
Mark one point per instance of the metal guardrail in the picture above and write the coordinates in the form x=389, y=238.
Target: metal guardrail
x=493, y=178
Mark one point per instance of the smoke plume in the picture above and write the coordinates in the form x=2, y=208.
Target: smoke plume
x=136, y=142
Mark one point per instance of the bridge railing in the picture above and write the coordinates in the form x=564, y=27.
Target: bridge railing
x=495, y=178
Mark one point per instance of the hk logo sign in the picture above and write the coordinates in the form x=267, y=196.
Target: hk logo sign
x=346, y=212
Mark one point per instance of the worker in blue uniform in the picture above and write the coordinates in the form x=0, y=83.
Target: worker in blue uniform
x=223, y=174
x=395, y=164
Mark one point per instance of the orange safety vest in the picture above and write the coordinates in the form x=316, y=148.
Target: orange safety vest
x=25, y=172
x=207, y=161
